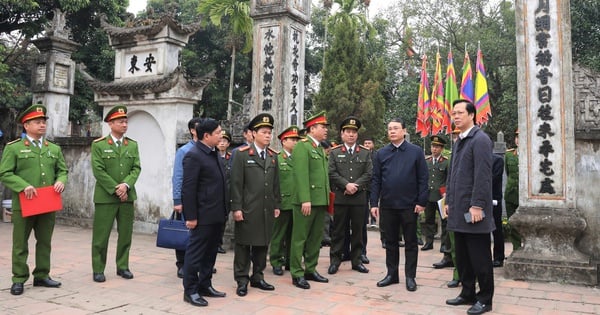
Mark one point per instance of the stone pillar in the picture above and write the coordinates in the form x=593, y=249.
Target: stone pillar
x=278, y=60
x=547, y=217
x=53, y=75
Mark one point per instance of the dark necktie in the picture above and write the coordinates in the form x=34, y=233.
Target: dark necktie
x=37, y=143
x=350, y=151
x=262, y=155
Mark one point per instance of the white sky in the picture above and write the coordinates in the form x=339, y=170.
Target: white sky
x=136, y=6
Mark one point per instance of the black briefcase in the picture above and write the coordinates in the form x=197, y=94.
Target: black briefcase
x=173, y=233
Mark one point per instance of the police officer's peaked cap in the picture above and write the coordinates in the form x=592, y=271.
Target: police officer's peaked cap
x=437, y=140
x=350, y=122
x=118, y=111
x=289, y=132
x=319, y=118
x=226, y=135
x=261, y=120
x=32, y=112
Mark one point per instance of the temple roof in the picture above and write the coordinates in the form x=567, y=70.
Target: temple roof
x=148, y=27
x=145, y=85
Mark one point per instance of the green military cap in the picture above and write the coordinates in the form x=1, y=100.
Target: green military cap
x=32, y=112
x=226, y=135
x=437, y=140
x=289, y=132
x=118, y=111
x=261, y=120
x=319, y=118
x=350, y=122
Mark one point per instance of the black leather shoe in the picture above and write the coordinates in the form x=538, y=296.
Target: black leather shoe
x=16, y=289
x=99, y=277
x=242, y=289
x=180, y=273
x=211, y=292
x=364, y=259
x=325, y=243
x=195, y=299
x=301, y=283
x=443, y=264
x=443, y=249
x=427, y=246
x=419, y=242
x=497, y=263
x=316, y=277
x=48, y=283
x=278, y=271
x=387, y=281
x=400, y=244
x=333, y=269
x=459, y=300
x=263, y=285
x=125, y=273
x=479, y=308
x=411, y=284
x=360, y=268
x=221, y=250
x=453, y=283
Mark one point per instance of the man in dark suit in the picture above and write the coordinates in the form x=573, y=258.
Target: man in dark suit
x=469, y=209
x=497, y=172
x=255, y=202
x=399, y=194
x=204, y=197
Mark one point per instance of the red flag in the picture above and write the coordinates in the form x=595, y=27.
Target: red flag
x=423, y=102
x=437, y=98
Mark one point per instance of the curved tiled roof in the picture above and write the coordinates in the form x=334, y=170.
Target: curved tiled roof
x=144, y=86
x=152, y=27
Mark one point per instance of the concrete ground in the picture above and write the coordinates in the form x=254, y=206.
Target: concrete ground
x=156, y=289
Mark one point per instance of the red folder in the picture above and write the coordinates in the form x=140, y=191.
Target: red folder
x=47, y=200
x=330, y=209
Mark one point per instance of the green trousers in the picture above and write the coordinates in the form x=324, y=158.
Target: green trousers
x=453, y=253
x=42, y=226
x=281, y=239
x=307, y=234
x=104, y=217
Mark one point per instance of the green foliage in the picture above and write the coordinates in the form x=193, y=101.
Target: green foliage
x=236, y=13
x=585, y=32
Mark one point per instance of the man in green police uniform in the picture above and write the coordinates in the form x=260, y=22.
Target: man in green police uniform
x=350, y=171
x=282, y=227
x=511, y=193
x=310, y=202
x=29, y=163
x=437, y=164
x=255, y=202
x=116, y=167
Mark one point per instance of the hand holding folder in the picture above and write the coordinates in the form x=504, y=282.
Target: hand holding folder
x=46, y=200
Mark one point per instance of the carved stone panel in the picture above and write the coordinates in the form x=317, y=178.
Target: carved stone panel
x=587, y=103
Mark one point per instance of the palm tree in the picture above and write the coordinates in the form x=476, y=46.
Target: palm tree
x=237, y=16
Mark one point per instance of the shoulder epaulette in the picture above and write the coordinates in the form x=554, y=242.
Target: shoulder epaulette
x=244, y=148
x=337, y=146
x=130, y=139
x=429, y=157
x=304, y=139
x=14, y=141
x=443, y=157
x=363, y=147
x=100, y=139
x=272, y=150
x=510, y=150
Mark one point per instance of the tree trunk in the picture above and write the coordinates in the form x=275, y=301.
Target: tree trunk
x=231, y=75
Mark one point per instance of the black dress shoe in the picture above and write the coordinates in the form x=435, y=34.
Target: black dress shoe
x=427, y=246
x=125, y=273
x=195, y=299
x=479, y=308
x=360, y=268
x=315, y=276
x=325, y=243
x=263, y=285
x=48, y=283
x=278, y=271
x=242, y=289
x=180, y=273
x=364, y=259
x=443, y=264
x=16, y=288
x=387, y=281
x=453, y=283
x=99, y=277
x=419, y=242
x=333, y=269
x=211, y=292
x=301, y=283
x=411, y=284
x=443, y=249
x=401, y=244
x=459, y=300
x=497, y=263
x=221, y=250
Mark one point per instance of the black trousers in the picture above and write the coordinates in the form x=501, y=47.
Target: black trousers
x=347, y=218
x=498, y=234
x=200, y=257
x=392, y=220
x=474, y=262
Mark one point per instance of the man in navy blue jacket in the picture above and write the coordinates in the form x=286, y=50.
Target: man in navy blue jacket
x=399, y=193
